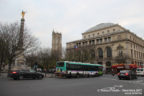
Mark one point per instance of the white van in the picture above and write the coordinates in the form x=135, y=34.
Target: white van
x=140, y=71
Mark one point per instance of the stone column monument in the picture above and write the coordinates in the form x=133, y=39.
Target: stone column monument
x=20, y=58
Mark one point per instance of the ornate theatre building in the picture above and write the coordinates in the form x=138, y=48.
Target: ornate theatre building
x=107, y=44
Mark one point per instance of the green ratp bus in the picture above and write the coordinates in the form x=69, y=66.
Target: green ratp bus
x=70, y=69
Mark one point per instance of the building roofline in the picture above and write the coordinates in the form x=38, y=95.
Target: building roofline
x=106, y=35
x=104, y=28
x=135, y=35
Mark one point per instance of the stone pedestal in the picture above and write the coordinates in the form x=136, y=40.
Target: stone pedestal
x=19, y=61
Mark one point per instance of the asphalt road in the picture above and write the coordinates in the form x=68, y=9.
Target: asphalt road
x=106, y=85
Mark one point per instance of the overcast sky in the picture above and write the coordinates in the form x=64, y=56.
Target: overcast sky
x=72, y=17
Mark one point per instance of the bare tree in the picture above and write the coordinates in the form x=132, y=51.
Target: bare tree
x=42, y=56
x=45, y=59
x=80, y=54
x=63, y=53
x=3, y=50
x=70, y=55
x=10, y=35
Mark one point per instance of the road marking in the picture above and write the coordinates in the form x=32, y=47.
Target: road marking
x=133, y=82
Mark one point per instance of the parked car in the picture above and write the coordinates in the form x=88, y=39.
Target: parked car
x=127, y=74
x=140, y=71
x=21, y=74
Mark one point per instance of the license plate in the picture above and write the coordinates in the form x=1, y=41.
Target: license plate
x=122, y=74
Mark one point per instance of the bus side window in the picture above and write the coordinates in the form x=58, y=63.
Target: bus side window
x=68, y=66
x=89, y=68
x=92, y=68
x=96, y=68
x=85, y=67
x=79, y=67
x=71, y=67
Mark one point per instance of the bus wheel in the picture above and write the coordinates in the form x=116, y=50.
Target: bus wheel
x=66, y=76
x=15, y=78
x=69, y=76
x=77, y=75
x=87, y=76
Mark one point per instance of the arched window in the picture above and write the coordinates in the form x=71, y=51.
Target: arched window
x=109, y=51
x=100, y=53
x=120, y=50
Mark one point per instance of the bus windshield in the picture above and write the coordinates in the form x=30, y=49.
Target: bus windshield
x=60, y=64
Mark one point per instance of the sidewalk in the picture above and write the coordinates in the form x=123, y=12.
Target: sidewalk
x=49, y=75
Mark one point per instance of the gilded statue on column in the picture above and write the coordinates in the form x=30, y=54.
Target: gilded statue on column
x=23, y=13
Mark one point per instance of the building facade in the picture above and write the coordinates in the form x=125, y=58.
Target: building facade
x=107, y=44
x=57, y=44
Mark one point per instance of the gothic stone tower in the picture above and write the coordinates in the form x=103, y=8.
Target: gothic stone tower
x=20, y=59
x=57, y=45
